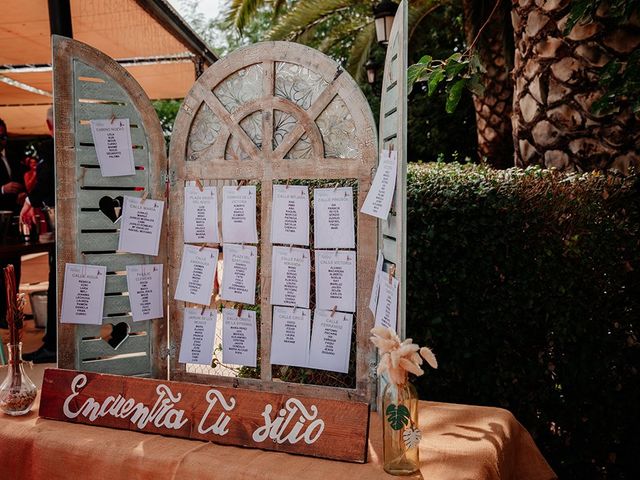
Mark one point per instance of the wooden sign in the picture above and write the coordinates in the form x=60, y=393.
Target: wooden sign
x=231, y=416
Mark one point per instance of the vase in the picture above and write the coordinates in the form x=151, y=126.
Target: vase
x=17, y=392
x=401, y=435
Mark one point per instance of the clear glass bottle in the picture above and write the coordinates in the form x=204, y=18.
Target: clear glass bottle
x=17, y=392
x=401, y=435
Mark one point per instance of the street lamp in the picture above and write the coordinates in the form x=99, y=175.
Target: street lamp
x=384, y=13
x=371, y=68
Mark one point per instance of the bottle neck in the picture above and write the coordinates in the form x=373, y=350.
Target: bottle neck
x=15, y=353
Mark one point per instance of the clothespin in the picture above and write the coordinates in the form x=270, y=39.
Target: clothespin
x=240, y=307
x=287, y=184
x=204, y=307
x=336, y=252
x=391, y=147
x=144, y=197
x=113, y=118
x=202, y=247
x=392, y=272
x=199, y=185
x=290, y=248
x=335, y=187
x=295, y=307
x=333, y=310
x=240, y=184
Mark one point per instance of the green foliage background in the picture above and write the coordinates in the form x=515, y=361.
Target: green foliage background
x=526, y=284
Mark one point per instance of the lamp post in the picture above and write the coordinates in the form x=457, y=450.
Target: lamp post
x=371, y=68
x=384, y=13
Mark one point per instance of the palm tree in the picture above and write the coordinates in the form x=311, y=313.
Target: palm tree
x=344, y=29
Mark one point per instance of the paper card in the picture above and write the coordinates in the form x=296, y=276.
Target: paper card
x=380, y=196
x=290, y=276
x=239, y=337
x=239, y=214
x=198, y=336
x=83, y=294
x=290, y=215
x=387, y=309
x=373, y=299
x=201, y=215
x=331, y=341
x=333, y=225
x=197, y=273
x=336, y=280
x=140, y=225
x=144, y=283
x=112, y=140
x=239, y=269
x=290, y=334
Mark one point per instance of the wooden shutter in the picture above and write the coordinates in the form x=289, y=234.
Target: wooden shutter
x=90, y=85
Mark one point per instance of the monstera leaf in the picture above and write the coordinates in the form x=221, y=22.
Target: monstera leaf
x=397, y=416
x=411, y=437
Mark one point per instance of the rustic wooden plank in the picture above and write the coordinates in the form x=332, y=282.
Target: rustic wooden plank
x=128, y=364
x=116, y=283
x=99, y=348
x=83, y=133
x=230, y=416
x=116, y=304
x=91, y=198
x=86, y=155
x=115, y=262
x=98, y=242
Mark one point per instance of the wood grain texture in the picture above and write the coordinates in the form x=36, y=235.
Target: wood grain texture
x=334, y=429
x=267, y=165
x=74, y=105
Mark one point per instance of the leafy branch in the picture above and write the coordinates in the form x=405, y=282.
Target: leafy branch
x=459, y=71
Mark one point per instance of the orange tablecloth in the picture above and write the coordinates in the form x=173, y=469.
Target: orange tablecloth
x=460, y=442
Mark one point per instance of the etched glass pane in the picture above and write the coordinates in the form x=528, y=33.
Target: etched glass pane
x=302, y=148
x=338, y=130
x=204, y=132
x=252, y=125
x=298, y=84
x=243, y=86
x=234, y=150
x=283, y=123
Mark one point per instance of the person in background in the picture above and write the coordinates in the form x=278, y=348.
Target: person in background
x=43, y=194
x=31, y=163
x=11, y=196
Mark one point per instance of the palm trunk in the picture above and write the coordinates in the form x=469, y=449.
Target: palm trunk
x=556, y=82
x=493, y=108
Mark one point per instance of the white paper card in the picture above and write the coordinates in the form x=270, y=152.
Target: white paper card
x=144, y=283
x=239, y=269
x=333, y=225
x=290, y=215
x=239, y=337
x=290, y=276
x=239, y=214
x=112, y=140
x=197, y=273
x=378, y=201
x=336, y=280
x=140, y=226
x=290, y=336
x=373, y=299
x=201, y=215
x=330, y=341
x=83, y=294
x=198, y=336
x=387, y=310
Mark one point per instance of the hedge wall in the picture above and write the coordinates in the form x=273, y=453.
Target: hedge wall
x=526, y=284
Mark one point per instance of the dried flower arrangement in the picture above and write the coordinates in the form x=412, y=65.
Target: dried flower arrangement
x=18, y=392
x=398, y=358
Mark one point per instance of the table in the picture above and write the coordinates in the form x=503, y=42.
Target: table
x=15, y=249
x=459, y=442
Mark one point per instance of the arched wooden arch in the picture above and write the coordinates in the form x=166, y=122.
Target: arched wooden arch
x=268, y=113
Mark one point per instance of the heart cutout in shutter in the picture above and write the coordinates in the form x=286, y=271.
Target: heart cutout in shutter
x=115, y=335
x=111, y=207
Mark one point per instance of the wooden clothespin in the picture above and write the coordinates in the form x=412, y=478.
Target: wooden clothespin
x=202, y=247
x=240, y=185
x=392, y=272
x=336, y=252
x=80, y=178
x=391, y=147
x=287, y=184
x=204, y=307
x=144, y=197
x=333, y=310
x=199, y=185
x=290, y=247
x=240, y=307
x=113, y=118
x=335, y=187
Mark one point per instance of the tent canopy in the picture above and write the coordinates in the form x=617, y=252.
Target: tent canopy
x=146, y=36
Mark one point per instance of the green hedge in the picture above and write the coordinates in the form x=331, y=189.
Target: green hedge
x=526, y=284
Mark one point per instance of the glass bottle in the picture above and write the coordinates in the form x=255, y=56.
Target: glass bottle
x=401, y=435
x=17, y=392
